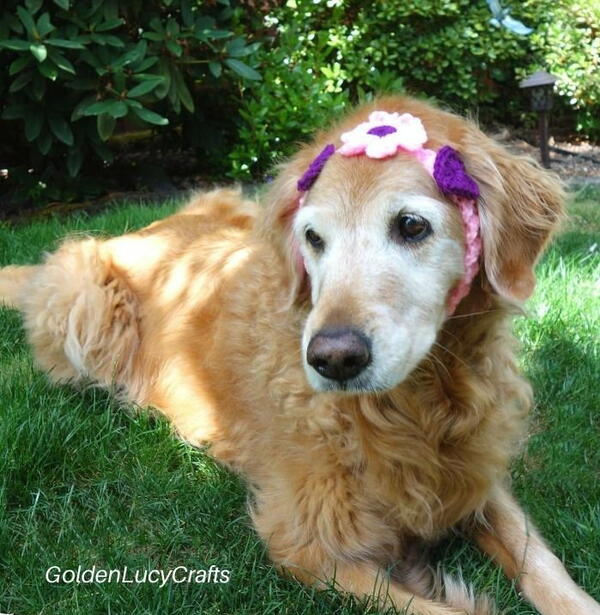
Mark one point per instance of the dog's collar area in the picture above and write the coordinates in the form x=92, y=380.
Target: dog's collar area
x=383, y=136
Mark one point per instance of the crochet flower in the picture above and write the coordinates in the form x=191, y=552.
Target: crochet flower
x=384, y=134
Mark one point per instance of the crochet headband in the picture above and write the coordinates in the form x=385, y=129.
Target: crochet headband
x=382, y=136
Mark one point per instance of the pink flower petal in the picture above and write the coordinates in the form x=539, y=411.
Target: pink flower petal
x=412, y=131
x=382, y=117
x=352, y=149
x=356, y=133
x=381, y=148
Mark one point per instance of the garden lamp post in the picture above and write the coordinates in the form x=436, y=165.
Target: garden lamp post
x=540, y=86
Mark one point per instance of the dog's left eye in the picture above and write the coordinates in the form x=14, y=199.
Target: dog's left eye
x=410, y=228
x=314, y=240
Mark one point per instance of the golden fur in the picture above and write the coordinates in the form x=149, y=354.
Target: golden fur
x=200, y=315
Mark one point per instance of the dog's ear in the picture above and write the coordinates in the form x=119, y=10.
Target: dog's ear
x=281, y=202
x=521, y=205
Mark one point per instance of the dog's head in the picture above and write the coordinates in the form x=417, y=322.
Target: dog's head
x=380, y=247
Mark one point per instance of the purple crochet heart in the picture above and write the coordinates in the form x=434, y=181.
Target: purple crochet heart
x=450, y=174
x=315, y=168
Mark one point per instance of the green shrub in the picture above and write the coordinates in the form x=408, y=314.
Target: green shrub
x=568, y=43
x=300, y=91
x=305, y=84
x=324, y=54
x=72, y=73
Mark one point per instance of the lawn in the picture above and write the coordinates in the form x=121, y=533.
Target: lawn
x=85, y=482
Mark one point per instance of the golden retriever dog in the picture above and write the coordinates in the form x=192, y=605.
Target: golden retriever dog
x=337, y=346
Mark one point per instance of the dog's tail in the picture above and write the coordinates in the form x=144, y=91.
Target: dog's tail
x=80, y=314
x=13, y=284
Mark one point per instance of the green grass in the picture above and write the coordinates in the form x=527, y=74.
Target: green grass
x=83, y=482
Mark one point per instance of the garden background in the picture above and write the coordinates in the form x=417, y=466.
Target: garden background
x=106, y=95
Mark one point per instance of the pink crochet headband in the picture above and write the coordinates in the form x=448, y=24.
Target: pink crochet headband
x=382, y=136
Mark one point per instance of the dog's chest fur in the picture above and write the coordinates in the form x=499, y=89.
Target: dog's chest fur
x=423, y=463
x=422, y=457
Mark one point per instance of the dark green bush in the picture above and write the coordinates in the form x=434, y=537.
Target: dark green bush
x=73, y=73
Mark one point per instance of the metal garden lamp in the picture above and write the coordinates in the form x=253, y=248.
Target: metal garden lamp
x=541, y=86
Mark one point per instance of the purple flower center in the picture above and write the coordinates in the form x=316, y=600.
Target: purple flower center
x=382, y=131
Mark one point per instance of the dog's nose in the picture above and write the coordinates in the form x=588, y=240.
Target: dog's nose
x=338, y=354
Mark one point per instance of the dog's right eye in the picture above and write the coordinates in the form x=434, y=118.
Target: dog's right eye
x=410, y=228
x=314, y=240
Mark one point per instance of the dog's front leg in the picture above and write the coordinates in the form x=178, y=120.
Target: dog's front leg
x=325, y=540
x=181, y=395
x=515, y=544
x=364, y=579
